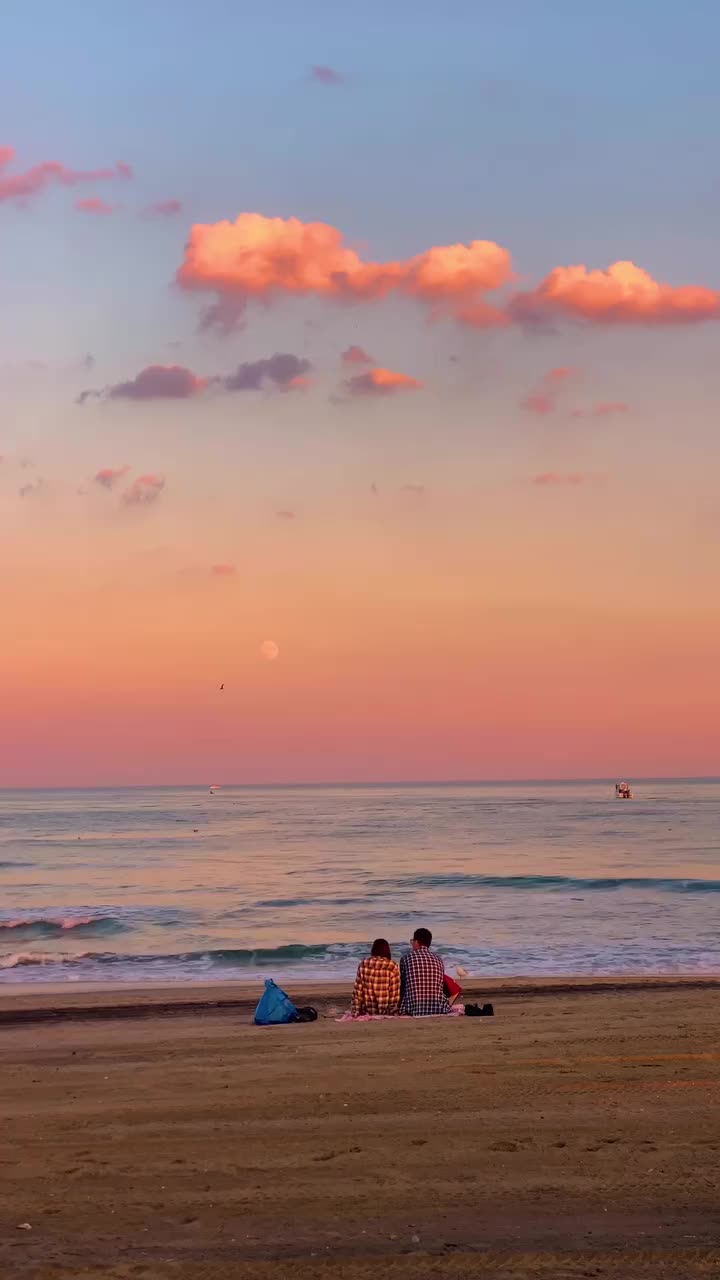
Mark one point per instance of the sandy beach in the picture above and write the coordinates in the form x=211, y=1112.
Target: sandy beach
x=576, y=1134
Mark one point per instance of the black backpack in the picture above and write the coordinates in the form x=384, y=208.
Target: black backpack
x=305, y=1014
x=479, y=1011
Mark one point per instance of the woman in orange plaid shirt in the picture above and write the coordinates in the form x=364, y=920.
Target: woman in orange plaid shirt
x=377, y=985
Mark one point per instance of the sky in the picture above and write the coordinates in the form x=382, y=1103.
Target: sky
x=358, y=392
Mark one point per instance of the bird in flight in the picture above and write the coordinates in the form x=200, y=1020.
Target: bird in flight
x=222, y=686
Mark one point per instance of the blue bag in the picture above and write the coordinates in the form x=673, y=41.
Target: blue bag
x=274, y=1007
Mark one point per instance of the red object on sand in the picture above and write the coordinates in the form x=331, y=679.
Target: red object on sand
x=452, y=988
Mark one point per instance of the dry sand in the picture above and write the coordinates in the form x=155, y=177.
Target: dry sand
x=576, y=1134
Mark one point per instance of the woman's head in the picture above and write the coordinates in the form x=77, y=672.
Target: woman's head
x=381, y=948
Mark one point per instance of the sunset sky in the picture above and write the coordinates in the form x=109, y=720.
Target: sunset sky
x=365, y=362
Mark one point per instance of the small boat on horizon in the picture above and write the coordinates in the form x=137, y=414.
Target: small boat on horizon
x=622, y=791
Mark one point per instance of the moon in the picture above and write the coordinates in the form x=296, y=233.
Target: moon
x=269, y=650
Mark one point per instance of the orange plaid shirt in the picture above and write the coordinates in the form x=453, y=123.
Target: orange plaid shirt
x=377, y=987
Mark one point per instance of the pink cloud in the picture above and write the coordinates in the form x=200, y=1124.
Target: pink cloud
x=602, y=409
x=326, y=75
x=560, y=478
x=285, y=515
x=262, y=258
x=538, y=402
x=155, y=382
x=160, y=381
x=259, y=257
x=144, y=490
x=607, y=408
x=109, y=476
x=483, y=315
x=223, y=570
x=22, y=186
x=162, y=209
x=93, y=205
x=623, y=294
x=356, y=355
x=544, y=399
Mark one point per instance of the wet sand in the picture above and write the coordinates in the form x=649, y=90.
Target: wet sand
x=575, y=1134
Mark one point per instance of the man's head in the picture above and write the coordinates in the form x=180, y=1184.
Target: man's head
x=421, y=938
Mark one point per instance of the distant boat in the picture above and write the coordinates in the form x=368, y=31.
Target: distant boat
x=622, y=791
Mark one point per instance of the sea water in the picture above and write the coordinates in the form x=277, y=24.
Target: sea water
x=513, y=879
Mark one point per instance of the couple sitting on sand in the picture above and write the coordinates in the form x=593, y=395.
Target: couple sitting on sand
x=416, y=987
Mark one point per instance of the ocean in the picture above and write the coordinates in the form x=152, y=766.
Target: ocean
x=176, y=884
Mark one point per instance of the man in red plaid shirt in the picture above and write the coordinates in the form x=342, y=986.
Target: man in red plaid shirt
x=422, y=974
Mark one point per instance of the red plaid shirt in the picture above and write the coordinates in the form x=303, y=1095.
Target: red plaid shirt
x=422, y=973
x=377, y=987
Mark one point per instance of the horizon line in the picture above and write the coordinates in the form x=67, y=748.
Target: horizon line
x=369, y=784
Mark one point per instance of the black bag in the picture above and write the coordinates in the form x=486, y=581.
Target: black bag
x=478, y=1011
x=306, y=1014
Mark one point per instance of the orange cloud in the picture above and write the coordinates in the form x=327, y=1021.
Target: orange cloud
x=262, y=258
x=483, y=315
x=285, y=515
x=624, y=294
x=144, y=490
x=558, y=477
x=109, y=476
x=93, y=205
x=21, y=186
x=356, y=355
x=381, y=382
x=222, y=570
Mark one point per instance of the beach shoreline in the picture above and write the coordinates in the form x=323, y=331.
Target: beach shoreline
x=574, y=1134
x=40, y=1002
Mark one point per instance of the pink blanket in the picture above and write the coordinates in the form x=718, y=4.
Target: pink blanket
x=457, y=1009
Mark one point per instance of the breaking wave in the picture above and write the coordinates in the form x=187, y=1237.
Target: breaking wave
x=57, y=927
x=230, y=958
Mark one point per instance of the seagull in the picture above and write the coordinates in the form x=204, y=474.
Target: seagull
x=222, y=686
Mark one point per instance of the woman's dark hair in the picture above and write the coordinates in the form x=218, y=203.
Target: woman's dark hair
x=381, y=948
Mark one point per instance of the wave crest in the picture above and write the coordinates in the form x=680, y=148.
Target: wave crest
x=58, y=926
x=590, y=884
x=240, y=958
